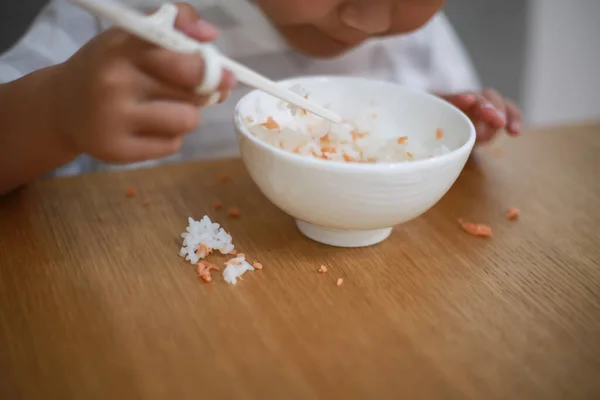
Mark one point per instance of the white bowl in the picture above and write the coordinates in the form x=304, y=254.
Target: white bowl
x=352, y=204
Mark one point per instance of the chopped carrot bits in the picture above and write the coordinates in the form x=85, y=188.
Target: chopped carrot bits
x=479, y=230
x=234, y=212
x=130, y=192
x=513, y=213
x=203, y=271
x=357, y=135
x=348, y=158
x=403, y=140
x=257, y=265
x=339, y=282
x=271, y=124
x=322, y=269
x=204, y=250
x=223, y=177
x=409, y=154
x=439, y=134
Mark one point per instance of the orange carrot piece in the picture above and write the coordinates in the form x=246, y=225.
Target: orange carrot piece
x=271, y=124
x=322, y=269
x=513, y=213
x=403, y=140
x=223, y=177
x=130, y=192
x=479, y=230
x=439, y=134
x=234, y=212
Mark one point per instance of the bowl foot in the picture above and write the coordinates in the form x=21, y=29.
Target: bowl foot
x=342, y=238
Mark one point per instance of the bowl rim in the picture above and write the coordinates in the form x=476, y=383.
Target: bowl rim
x=426, y=163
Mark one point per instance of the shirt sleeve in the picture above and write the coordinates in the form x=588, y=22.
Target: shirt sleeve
x=55, y=35
x=452, y=69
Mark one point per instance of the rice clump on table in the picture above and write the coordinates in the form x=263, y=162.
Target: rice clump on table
x=310, y=135
x=203, y=237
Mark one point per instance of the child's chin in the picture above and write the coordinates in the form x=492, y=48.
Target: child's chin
x=316, y=44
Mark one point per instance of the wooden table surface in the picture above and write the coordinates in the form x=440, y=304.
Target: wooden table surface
x=95, y=302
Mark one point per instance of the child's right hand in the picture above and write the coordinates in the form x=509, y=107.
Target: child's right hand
x=123, y=100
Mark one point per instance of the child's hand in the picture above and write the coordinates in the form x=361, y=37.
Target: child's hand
x=489, y=112
x=122, y=99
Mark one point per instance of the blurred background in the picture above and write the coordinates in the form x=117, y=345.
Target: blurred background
x=545, y=54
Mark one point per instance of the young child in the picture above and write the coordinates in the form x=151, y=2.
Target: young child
x=78, y=96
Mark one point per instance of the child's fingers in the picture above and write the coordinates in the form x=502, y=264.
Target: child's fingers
x=484, y=131
x=514, y=118
x=165, y=118
x=142, y=148
x=463, y=101
x=189, y=22
x=183, y=70
x=490, y=111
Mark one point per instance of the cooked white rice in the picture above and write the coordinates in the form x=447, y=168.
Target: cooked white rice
x=309, y=135
x=234, y=271
x=205, y=234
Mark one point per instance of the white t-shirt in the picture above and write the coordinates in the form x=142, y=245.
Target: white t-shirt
x=431, y=58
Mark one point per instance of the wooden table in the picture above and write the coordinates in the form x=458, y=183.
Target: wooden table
x=96, y=304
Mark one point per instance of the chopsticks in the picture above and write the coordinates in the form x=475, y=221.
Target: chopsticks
x=158, y=29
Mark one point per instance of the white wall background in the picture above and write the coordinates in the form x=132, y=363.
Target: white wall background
x=562, y=62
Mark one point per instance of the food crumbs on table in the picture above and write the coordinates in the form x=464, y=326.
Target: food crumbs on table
x=513, y=213
x=340, y=282
x=479, y=230
x=223, y=177
x=203, y=271
x=234, y=212
x=271, y=124
x=130, y=192
x=322, y=269
x=402, y=140
x=257, y=265
x=217, y=205
x=439, y=134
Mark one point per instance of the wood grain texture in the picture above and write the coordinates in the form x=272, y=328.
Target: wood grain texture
x=96, y=304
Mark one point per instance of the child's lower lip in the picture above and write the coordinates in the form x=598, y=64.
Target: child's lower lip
x=345, y=43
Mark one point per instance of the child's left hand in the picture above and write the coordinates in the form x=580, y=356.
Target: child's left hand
x=489, y=112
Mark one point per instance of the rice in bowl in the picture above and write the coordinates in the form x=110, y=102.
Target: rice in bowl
x=309, y=135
